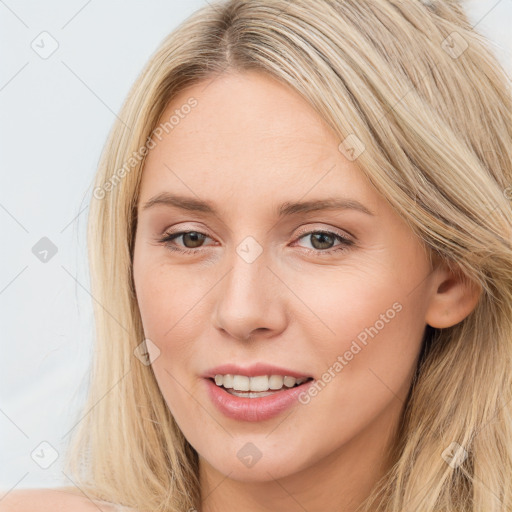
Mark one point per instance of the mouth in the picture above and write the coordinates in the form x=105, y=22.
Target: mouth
x=257, y=397
x=259, y=386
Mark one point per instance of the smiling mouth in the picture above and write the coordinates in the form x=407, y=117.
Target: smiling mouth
x=243, y=393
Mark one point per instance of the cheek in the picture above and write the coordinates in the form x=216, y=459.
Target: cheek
x=337, y=306
x=166, y=298
x=154, y=297
x=171, y=301
x=367, y=381
x=367, y=332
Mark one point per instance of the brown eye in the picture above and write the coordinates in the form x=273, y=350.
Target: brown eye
x=322, y=240
x=194, y=238
x=191, y=240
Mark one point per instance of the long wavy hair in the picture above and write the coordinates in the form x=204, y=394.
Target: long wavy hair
x=428, y=105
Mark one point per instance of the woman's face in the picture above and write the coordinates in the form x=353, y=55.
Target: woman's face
x=346, y=307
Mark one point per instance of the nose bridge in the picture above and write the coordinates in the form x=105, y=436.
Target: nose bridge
x=248, y=298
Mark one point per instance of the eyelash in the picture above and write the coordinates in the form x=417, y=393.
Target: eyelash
x=345, y=244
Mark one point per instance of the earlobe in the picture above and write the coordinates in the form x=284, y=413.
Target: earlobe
x=453, y=298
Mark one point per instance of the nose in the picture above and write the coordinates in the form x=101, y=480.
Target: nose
x=250, y=300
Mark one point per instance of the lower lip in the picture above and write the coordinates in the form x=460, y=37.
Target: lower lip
x=254, y=409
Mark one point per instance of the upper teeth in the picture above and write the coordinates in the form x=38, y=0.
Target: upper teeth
x=259, y=383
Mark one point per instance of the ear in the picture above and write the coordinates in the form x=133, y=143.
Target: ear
x=453, y=297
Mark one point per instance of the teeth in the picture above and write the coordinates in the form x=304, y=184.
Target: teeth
x=275, y=382
x=290, y=381
x=227, y=382
x=241, y=383
x=257, y=383
x=260, y=383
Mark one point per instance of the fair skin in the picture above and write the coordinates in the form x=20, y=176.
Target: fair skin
x=50, y=500
x=250, y=145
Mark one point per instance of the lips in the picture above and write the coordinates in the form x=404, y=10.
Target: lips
x=261, y=408
x=253, y=371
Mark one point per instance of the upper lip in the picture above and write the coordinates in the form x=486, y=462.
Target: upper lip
x=252, y=371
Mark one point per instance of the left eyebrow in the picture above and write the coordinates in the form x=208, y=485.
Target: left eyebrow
x=323, y=204
x=286, y=209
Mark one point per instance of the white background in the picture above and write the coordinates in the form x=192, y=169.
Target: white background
x=56, y=114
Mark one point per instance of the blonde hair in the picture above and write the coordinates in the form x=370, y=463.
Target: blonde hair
x=421, y=96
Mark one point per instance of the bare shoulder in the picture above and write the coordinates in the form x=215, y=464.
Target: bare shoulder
x=50, y=500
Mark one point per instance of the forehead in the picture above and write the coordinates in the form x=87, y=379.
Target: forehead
x=237, y=113
x=248, y=134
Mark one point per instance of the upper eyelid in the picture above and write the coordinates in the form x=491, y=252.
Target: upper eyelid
x=335, y=231
x=307, y=231
x=345, y=243
x=302, y=231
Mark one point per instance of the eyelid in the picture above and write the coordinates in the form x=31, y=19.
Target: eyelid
x=346, y=242
x=302, y=231
x=342, y=233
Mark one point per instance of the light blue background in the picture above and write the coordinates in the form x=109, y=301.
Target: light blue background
x=56, y=114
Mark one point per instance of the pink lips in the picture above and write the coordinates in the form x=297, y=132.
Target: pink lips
x=254, y=409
